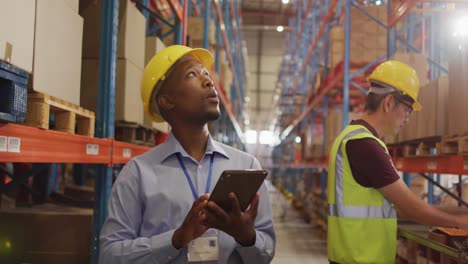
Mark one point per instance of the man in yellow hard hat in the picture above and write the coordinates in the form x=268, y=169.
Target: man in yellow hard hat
x=159, y=210
x=364, y=188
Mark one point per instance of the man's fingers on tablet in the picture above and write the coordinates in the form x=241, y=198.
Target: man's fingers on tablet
x=235, y=203
x=254, y=204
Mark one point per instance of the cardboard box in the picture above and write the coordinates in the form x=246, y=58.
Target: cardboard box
x=153, y=46
x=74, y=4
x=433, y=119
x=47, y=233
x=17, y=20
x=195, y=29
x=418, y=62
x=131, y=33
x=366, y=38
x=128, y=104
x=6, y=50
x=458, y=92
x=57, y=50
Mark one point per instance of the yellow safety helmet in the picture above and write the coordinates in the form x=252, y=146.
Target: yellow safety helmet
x=400, y=76
x=159, y=65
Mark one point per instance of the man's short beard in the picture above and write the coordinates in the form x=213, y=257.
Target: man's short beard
x=213, y=116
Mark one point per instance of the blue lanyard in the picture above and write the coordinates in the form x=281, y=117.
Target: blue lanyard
x=187, y=175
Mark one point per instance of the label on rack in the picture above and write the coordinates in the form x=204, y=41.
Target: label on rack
x=432, y=165
x=92, y=149
x=14, y=144
x=399, y=165
x=3, y=143
x=127, y=153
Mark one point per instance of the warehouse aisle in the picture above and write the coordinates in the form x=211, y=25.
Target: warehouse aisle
x=296, y=241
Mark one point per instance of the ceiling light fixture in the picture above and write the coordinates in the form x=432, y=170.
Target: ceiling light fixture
x=279, y=28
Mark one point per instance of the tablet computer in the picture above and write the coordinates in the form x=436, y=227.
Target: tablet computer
x=244, y=183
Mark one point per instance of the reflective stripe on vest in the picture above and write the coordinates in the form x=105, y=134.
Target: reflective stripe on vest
x=353, y=211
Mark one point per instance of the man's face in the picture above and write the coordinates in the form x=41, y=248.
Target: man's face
x=192, y=92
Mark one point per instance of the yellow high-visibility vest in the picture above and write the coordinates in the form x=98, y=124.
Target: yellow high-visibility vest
x=362, y=225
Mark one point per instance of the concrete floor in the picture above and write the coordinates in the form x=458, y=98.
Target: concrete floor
x=296, y=241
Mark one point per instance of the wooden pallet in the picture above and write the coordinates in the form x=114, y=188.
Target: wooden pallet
x=68, y=117
x=422, y=147
x=453, y=145
x=134, y=133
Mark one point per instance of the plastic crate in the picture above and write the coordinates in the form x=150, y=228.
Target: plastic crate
x=13, y=93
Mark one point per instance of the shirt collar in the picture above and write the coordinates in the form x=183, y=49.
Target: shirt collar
x=172, y=146
x=362, y=122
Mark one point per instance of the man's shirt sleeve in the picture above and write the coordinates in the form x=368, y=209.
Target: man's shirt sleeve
x=370, y=164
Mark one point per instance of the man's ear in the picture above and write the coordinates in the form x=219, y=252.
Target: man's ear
x=165, y=102
x=388, y=103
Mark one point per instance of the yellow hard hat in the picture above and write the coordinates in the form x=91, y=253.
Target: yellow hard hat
x=159, y=65
x=400, y=76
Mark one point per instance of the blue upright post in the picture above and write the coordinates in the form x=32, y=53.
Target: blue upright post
x=147, y=16
x=391, y=49
x=52, y=183
x=324, y=183
x=206, y=24
x=346, y=63
x=433, y=51
x=430, y=189
x=327, y=44
x=407, y=178
x=218, y=41
x=410, y=29
x=324, y=123
x=105, y=115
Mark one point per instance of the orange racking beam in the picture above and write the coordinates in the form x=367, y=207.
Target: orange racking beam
x=399, y=12
x=437, y=164
x=177, y=9
x=196, y=9
x=20, y=143
x=122, y=152
x=315, y=100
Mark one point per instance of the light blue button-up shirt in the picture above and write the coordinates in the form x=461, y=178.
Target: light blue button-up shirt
x=152, y=196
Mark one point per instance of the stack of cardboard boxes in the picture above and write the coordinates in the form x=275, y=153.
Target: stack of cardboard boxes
x=46, y=39
x=195, y=32
x=458, y=92
x=130, y=60
x=433, y=96
x=368, y=40
x=334, y=125
x=153, y=46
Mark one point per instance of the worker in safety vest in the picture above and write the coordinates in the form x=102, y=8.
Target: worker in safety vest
x=364, y=188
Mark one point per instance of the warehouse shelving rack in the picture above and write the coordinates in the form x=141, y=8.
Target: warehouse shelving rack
x=228, y=37
x=415, y=34
x=46, y=146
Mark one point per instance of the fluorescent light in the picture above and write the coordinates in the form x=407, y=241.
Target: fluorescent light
x=279, y=28
x=460, y=28
x=251, y=136
x=285, y=2
x=298, y=139
x=378, y=2
x=266, y=137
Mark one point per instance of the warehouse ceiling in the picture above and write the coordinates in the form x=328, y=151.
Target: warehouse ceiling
x=260, y=19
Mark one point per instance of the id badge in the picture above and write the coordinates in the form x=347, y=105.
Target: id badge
x=203, y=249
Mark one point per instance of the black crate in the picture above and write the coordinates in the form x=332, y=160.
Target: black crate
x=13, y=93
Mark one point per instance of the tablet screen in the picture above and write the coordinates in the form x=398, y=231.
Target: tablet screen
x=244, y=183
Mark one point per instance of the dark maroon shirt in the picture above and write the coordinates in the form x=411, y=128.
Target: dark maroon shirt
x=370, y=164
